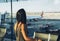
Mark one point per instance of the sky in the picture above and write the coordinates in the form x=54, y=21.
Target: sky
x=32, y=6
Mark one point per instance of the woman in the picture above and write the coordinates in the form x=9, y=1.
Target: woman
x=20, y=27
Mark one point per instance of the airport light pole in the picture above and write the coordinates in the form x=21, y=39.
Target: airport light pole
x=11, y=23
x=11, y=13
x=11, y=20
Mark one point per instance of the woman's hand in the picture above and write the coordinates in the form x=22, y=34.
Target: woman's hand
x=39, y=40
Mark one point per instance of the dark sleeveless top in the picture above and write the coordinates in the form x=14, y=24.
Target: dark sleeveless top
x=19, y=36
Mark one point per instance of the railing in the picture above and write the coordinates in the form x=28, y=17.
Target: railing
x=2, y=33
x=45, y=36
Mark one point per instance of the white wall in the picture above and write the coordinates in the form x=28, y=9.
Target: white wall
x=51, y=16
x=46, y=15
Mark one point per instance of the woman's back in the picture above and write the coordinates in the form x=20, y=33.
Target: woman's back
x=19, y=36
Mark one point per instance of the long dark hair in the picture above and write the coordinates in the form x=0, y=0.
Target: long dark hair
x=21, y=16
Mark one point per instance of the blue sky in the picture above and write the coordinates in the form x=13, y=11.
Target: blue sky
x=32, y=6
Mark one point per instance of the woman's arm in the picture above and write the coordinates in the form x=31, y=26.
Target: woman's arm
x=25, y=35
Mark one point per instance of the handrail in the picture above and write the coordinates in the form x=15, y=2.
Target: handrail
x=2, y=33
x=45, y=36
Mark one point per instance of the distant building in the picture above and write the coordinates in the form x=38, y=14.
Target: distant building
x=2, y=18
x=6, y=18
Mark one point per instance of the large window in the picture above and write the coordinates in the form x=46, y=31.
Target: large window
x=42, y=16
